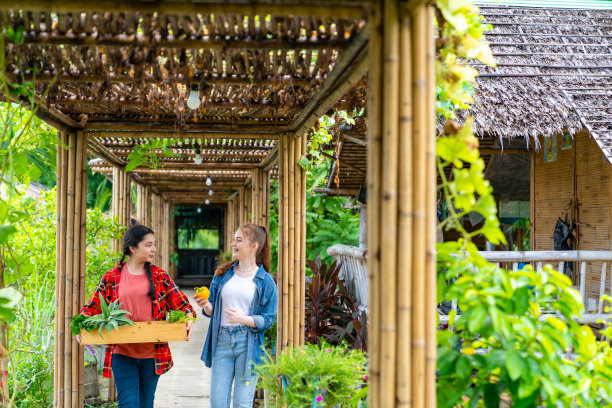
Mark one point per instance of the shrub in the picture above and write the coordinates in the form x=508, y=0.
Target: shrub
x=314, y=375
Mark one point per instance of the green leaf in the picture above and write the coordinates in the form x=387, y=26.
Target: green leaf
x=515, y=365
x=6, y=231
x=9, y=298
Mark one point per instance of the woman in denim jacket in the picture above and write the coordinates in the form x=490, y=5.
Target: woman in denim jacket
x=242, y=306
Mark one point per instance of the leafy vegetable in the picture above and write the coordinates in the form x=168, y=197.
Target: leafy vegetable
x=77, y=324
x=179, y=316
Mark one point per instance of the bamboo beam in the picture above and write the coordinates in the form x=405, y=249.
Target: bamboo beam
x=319, y=8
x=344, y=163
x=271, y=159
x=252, y=128
x=349, y=70
x=173, y=133
x=337, y=191
x=211, y=43
x=103, y=152
x=179, y=78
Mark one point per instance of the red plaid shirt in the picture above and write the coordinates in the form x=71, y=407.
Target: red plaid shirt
x=168, y=297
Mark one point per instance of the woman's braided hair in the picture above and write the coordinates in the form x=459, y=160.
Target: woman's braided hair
x=132, y=238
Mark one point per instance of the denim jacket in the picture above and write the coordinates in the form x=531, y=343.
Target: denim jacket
x=263, y=311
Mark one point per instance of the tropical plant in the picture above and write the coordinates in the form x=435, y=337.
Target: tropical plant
x=331, y=314
x=111, y=317
x=314, y=376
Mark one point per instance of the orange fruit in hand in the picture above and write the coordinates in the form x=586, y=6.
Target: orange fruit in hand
x=202, y=292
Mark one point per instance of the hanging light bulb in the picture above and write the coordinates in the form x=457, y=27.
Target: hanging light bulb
x=208, y=181
x=193, y=102
x=198, y=158
x=199, y=210
x=207, y=201
x=210, y=192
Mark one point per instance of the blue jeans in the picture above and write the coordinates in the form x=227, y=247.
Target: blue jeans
x=228, y=365
x=136, y=381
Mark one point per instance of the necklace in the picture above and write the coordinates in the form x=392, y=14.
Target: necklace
x=240, y=270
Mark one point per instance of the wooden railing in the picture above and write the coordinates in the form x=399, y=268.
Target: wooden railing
x=353, y=271
x=512, y=259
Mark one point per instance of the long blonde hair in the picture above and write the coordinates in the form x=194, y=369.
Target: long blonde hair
x=253, y=233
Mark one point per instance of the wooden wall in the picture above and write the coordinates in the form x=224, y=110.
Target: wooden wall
x=580, y=174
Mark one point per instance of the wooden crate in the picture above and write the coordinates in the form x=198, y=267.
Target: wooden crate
x=140, y=332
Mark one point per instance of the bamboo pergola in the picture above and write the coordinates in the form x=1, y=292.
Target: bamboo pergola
x=264, y=72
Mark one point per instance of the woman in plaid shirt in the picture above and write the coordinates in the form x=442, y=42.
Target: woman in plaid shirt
x=147, y=292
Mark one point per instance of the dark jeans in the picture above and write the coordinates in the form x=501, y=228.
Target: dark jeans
x=136, y=381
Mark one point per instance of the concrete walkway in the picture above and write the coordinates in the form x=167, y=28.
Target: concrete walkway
x=187, y=384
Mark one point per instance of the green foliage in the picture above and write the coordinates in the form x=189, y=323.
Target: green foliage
x=9, y=299
x=77, y=323
x=301, y=375
x=151, y=154
x=29, y=257
x=517, y=334
x=102, y=229
x=99, y=191
x=111, y=317
x=179, y=316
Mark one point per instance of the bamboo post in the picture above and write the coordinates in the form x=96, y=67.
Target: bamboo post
x=83, y=259
x=431, y=224
x=255, y=195
x=284, y=245
x=302, y=251
x=405, y=211
x=374, y=162
x=70, y=268
x=291, y=250
x=60, y=298
x=67, y=347
x=388, y=267
x=401, y=204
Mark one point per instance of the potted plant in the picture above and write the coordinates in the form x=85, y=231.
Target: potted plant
x=314, y=376
x=113, y=327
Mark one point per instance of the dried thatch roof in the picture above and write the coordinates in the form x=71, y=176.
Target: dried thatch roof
x=124, y=70
x=554, y=73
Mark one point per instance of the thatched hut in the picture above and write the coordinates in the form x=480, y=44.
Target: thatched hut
x=544, y=116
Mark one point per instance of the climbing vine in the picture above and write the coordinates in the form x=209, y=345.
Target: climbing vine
x=151, y=153
x=499, y=344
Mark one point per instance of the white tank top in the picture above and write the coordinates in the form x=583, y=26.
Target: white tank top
x=237, y=294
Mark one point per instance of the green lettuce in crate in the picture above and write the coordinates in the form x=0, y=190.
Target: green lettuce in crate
x=179, y=316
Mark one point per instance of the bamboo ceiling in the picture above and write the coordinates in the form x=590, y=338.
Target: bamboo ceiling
x=123, y=75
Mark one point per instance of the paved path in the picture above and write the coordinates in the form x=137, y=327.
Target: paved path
x=187, y=384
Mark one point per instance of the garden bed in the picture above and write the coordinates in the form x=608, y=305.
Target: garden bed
x=140, y=332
